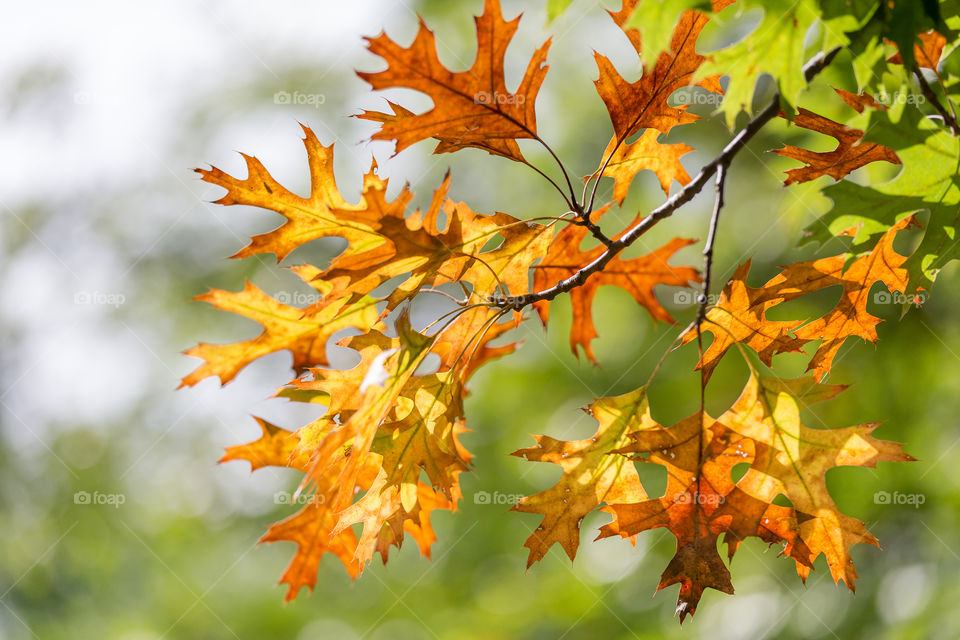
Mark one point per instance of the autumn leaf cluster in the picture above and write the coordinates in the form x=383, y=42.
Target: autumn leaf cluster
x=387, y=451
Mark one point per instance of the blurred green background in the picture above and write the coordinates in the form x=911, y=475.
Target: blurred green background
x=106, y=235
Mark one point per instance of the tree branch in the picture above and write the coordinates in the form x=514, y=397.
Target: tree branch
x=816, y=64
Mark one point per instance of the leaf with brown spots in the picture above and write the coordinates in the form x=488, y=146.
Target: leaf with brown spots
x=701, y=502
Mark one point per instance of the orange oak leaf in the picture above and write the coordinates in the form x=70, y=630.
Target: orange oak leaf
x=646, y=153
x=424, y=440
x=638, y=276
x=851, y=152
x=591, y=476
x=927, y=52
x=274, y=448
x=346, y=448
x=416, y=522
x=306, y=218
x=384, y=426
x=465, y=342
x=471, y=108
x=310, y=530
x=701, y=502
x=337, y=389
x=849, y=318
x=415, y=245
x=303, y=333
x=382, y=240
x=385, y=521
x=634, y=106
x=740, y=317
x=793, y=459
x=763, y=430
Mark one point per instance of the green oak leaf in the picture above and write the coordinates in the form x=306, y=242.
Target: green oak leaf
x=655, y=20
x=775, y=47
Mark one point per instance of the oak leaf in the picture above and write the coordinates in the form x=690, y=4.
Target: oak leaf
x=793, y=459
x=851, y=152
x=776, y=46
x=303, y=333
x=859, y=101
x=626, y=160
x=310, y=529
x=471, y=108
x=849, y=318
x=591, y=476
x=927, y=52
x=274, y=448
x=739, y=316
x=643, y=104
x=306, y=218
x=700, y=503
x=415, y=246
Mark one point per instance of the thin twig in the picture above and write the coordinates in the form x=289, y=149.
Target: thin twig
x=687, y=193
x=704, y=299
x=931, y=96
